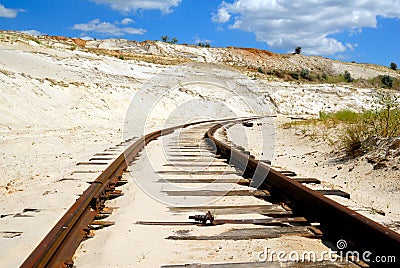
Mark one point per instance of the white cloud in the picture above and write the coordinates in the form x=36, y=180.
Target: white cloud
x=222, y=16
x=286, y=24
x=32, y=32
x=127, y=21
x=8, y=12
x=198, y=40
x=87, y=38
x=133, y=5
x=107, y=28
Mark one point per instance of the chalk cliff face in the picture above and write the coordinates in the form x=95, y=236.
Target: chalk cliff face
x=242, y=57
x=67, y=81
x=64, y=99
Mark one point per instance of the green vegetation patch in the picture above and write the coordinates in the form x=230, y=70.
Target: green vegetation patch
x=306, y=75
x=358, y=133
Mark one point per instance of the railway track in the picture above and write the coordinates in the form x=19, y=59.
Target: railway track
x=210, y=200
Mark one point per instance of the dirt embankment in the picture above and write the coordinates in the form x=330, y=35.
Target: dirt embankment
x=165, y=53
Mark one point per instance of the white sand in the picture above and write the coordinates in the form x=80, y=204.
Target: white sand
x=371, y=191
x=127, y=244
x=60, y=106
x=57, y=108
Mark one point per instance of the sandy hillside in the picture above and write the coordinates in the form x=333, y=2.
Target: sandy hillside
x=63, y=100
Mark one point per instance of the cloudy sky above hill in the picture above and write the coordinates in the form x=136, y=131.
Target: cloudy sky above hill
x=359, y=30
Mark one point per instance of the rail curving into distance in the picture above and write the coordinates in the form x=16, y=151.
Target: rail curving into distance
x=336, y=221
x=60, y=244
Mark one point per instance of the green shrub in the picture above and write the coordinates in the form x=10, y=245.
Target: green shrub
x=164, y=38
x=174, y=40
x=393, y=66
x=347, y=77
x=295, y=75
x=323, y=115
x=352, y=141
x=357, y=130
x=305, y=73
x=387, y=81
x=323, y=77
x=345, y=115
x=385, y=118
x=335, y=79
x=383, y=121
x=201, y=44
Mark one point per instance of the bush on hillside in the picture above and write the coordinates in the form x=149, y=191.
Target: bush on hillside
x=347, y=77
x=166, y=39
x=387, y=81
x=382, y=122
x=295, y=75
x=201, y=44
x=305, y=74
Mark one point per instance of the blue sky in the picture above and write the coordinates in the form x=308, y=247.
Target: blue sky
x=358, y=30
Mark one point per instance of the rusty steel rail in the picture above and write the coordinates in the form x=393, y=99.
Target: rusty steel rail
x=60, y=244
x=336, y=221
x=58, y=247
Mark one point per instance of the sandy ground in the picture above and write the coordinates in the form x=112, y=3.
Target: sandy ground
x=61, y=106
x=53, y=115
x=372, y=192
x=128, y=244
